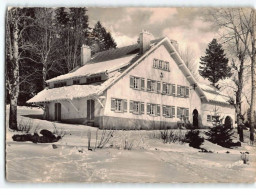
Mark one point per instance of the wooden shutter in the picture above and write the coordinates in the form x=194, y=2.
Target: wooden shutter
x=148, y=108
x=142, y=84
x=173, y=112
x=187, y=113
x=158, y=87
x=169, y=91
x=173, y=89
x=142, y=108
x=125, y=105
x=178, y=90
x=148, y=84
x=131, y=81
x=164, y=113
x=164, y=88
x=187, y=92
x=158, y=110
x=178, y=112
x=113, y=104
x=131, y=106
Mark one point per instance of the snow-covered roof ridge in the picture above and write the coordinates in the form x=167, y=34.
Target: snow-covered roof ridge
x=96, y=68
x=213, y=94
x=70, y=92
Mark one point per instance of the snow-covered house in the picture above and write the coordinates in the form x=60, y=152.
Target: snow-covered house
x=140, y=86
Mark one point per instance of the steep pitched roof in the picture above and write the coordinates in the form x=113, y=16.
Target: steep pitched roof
x=213, y=94
x=114, y=59
x=96, y=68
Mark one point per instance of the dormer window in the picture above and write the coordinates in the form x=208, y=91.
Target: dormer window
x=76, y=82
x=59, y=84
x=93, y=79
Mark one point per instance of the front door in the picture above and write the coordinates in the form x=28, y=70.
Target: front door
x=90, y=110
x=195, y=118
x=57, y=111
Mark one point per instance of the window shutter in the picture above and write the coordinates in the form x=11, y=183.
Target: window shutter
x=178, y=90
x=158, y=110
x=148, y=108
x=113, y=102
x=178, y=112
x=131, y=106
x=148, y=84
x=158, y=87
x=142, y=108
x=142, y=84
x=164, y=113
x=187, y=92
x=173, y=89
x=169, y=91
x=187, y=112
x=173, y=112
x=125, y=105
x=164, y=88
x=131, y=81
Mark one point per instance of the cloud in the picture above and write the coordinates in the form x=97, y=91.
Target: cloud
x=186, y=25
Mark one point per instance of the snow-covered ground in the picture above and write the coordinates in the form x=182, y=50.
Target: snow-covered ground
x=149, y=160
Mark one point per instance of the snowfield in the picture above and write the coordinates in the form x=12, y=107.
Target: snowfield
x=149, y=160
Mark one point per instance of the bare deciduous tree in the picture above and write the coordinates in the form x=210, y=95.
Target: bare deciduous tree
x=237, y=31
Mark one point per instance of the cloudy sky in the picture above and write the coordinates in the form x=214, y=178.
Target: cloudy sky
x=186, y=25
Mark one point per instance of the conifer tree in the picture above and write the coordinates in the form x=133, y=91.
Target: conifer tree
x=214, y=65
x=101, y=38
x=220, y=135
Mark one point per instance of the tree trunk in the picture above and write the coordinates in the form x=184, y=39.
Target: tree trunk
x=13, y=114
x=14, y=91
x=44, y=76
x=253, y=70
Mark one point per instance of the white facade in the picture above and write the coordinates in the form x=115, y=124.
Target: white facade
x=118, y=105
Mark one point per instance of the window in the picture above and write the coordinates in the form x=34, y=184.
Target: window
x=153, y=109
x=209, y=118
x=137, y=83
x=182, y=91
x=155, y=63
x=167, y=111
x=151, y=85
x=118, y=105
x=182, y=113
x=60, y=84
x=160, y=64
x=93, y=79
x=136, y=107
x=215, y=118
x=75, y=82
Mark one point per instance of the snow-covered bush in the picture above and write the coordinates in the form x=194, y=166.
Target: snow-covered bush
x=193, y=138
x=172, y=136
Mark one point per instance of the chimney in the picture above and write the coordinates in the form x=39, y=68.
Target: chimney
x=175, y=44
x=85, y=54
x=144, y=41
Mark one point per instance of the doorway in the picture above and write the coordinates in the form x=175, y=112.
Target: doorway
x=90, y=110
x=195, y=118
x=57, y=112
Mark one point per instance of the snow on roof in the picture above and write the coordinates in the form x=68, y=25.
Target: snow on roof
x=213, y=94
x=71, y=92
x=95, y=68
x=63, y=93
